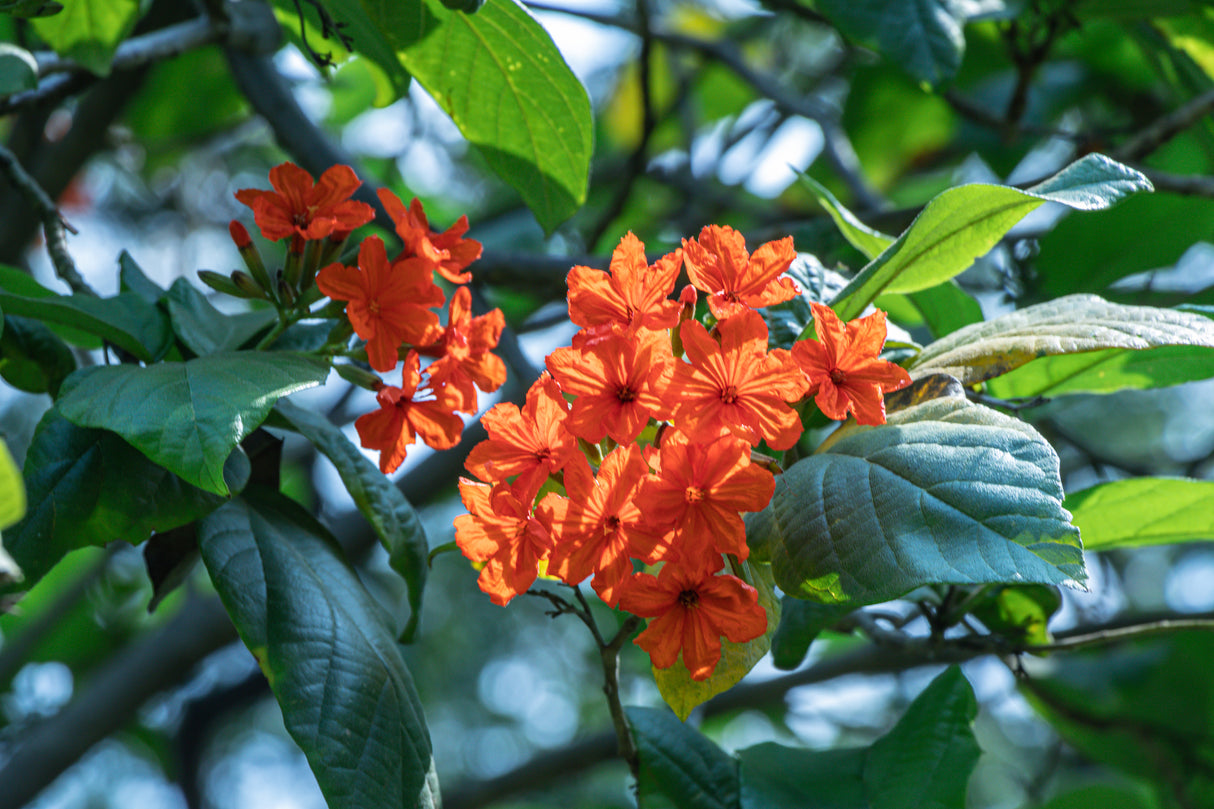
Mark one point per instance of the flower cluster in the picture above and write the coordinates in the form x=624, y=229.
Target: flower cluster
x=390, y=303
x=648, y=422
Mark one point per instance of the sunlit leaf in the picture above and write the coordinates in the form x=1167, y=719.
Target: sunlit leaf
x=920, y=500
x=189, y=416
x=12, y=489
x=1143, y=511
x=89, y=31
x=1070, y=325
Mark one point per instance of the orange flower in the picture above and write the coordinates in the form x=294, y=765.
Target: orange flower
x=501, y=531
x=596, y=527
x=464, y=359
x=298, y=208
x=692, y=608
x=634, y=296
x=700, y=492
x=388, y=305
x=843, y=369
x=447, y=252
x=532, y=443
x=718, y=264
x=619, y=383
x=736, y=386
x=403, y=416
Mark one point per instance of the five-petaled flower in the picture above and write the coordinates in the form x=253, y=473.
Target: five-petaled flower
x=843, y=369
x=692, y=608
x=502, y=531
x=635, y=295
x=305, y=211
x=717, y=263
x=447, y=253
x=388, y=304
x=405, y=413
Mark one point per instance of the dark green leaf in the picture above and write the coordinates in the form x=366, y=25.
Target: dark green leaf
x=32, y=358
x=89, y=487
x=125, y=320
x=189, y=416
x=923, y=37
x=801, y=622
x=919, y=500
x=778, y=777
x=963, y=223
x=19, y=282
x=680, y=767
x=89, y=30
x=346, y=694
x=18, y=69
x=926, y=759
x=204, y=329
x=507, y=87
x=131, y=278
x=786, y=321
x=1143, y=511
x=1070, y=325
x=390, y=514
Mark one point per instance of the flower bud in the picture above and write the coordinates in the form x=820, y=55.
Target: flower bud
x=221, y=283
x=250, y=256
x=357, y=376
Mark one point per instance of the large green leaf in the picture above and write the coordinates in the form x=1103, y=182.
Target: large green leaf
x=946, y=492
x=18, y=69
x=680, y=767
x=923, y=37
x=683, y=694
x=963, y=223
x=32, y=357
x=777, y=777
x=1070, y=325
x=499, y=76
x=868, y=241
x=1143, y=511
x=1106, y=371
x=89, y=31
x=346, y=695
x=390, y=514
x=206, y=330
x=926, y=759
x=188, y=416
x=125, y=320
x=89, y=487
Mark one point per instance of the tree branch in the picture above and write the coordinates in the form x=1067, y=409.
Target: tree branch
x=1164, y=129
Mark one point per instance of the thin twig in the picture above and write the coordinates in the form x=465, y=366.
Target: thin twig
x=1164, y=129
x=53, y=224
x=1121, y=634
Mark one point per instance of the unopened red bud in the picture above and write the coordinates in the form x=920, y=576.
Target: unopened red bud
x=239, y=235
x=688, y=296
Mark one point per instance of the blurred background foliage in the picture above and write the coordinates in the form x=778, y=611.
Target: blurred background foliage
x=704, y=112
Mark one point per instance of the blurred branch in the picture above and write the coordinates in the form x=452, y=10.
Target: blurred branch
x=1164, y=129
x=1194, y=185
x=53, y=224
x=141, y=50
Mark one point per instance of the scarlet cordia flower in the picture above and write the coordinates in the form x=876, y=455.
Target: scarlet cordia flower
x=619, y=381
x=464, y=359
x=699, y=495
x=532, y=443
x=843, y=369
x=633, y=296
x=596, y=529
x=388, y=305
x=692, y=608
x=501, y=530
x=736, y=386
x=298, y=208
x=405, y=413
x=717, y=263
x=447, y=252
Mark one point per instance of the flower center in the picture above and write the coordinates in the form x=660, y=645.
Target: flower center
x=626, y=394
x=543, y=454
x=689, y=599
x=373, y=307
x=729, y=394
x=613, y=523
x=837, y=376
x=694, y=494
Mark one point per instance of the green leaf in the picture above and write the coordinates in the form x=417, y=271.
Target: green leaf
x=923, y=37
x=125, y=320
x=946, y=492
x=189, y=416
x=1106, y=796
x=683, y=694
x=868, y=241
x=346, y=695
x=204, y=329
x=778, y=777
x=507, y=87
x=1020, y=613
x=926, y=759
x=32, y=358
x=380, y=30
x=18, y=69
x=89, y=31
x=1106, y=371
x=1070, y=325
x=12, y=489
x=680, y=767
x=801, y=622
x=131, y=278
x=963, y=223
x=89, y=487
x=1143, y=511
x=19, y=282
x=945, y=308
x=386, y=509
